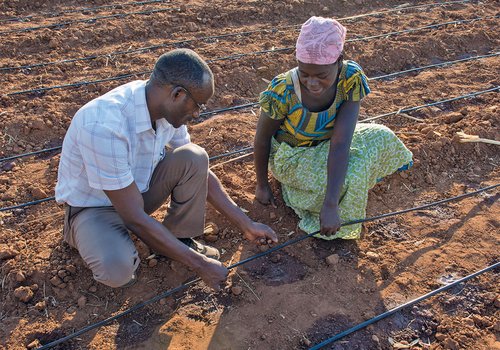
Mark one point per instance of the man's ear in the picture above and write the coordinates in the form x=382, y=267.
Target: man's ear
x=176, y=93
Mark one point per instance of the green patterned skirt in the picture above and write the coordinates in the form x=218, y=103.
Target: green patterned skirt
x=302, y=171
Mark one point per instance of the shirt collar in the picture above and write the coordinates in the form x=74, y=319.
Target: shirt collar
x=142, y=117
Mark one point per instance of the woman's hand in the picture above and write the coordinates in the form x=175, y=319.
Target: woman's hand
x=338, y=160
x=329, y=220
x=264, y=194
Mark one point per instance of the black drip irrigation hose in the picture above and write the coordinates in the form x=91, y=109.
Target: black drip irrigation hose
x=430, y=26
x=254, y=104
x=141, y=49
x=126, y=14
x=90, y=20
x=259, y=255
x=204, y=114
x=403, y=306
x=45, y=15
x=442, y=64
x=140, y=3
x=38, y=91
x=209, y=38
x=34, y=153
x=411, y=109
x=19, y=206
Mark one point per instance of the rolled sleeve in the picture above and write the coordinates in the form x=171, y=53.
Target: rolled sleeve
x=360, y=88
x=355, y=82
x=105, y=157
x=274, y=100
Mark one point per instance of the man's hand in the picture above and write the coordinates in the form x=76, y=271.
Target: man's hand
x=260, y=233
x=213, y=273
x=252, y=231
x=330, y=220
x=264, y=195
x=129, y=204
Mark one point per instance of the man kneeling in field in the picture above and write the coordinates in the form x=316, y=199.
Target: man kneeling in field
x=124, y=154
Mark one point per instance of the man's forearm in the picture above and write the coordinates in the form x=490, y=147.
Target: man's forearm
x=160, y=239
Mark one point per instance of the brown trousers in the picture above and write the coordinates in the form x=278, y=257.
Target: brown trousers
x=101, y=237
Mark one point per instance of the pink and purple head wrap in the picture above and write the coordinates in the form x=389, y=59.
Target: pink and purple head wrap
x=321, y=41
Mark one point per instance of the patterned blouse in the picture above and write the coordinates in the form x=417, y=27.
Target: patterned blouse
x=301, y=127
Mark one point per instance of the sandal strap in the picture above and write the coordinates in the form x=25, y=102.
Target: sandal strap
x=206, y=250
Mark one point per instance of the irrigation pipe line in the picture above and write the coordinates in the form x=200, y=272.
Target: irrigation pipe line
x=259, y=255
x=19, y=206
x=411, y=109
x=254, y=104
x=90, y=20
x=34, y=153
x=104, y=7
x=141, y=49
x=403, y=306
x=205, y=38
x=124, y=313
x=443, y=64
x=45, y=15
x=474, y=94
x=126, y=14
x=237, y=56
x=231, y=160
x=78, y=84
x=204, y=114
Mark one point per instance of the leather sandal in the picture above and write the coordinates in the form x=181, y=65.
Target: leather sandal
x=208, y=251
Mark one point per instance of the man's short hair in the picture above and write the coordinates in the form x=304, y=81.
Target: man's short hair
x=181, y=67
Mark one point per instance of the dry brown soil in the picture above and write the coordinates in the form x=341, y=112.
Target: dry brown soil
x=292, y=298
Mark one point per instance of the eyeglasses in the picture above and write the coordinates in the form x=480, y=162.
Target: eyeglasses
x=201, y=106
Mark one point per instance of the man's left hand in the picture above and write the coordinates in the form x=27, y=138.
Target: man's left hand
x=260, y=234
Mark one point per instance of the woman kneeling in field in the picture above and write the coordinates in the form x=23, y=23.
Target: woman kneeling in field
x=308, y=136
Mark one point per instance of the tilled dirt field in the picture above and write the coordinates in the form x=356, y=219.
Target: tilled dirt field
x=296, y=297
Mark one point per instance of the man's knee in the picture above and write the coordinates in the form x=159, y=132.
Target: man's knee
x=194, y=154
x=115, y=270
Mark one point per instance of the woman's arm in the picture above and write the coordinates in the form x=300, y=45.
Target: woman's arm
x=338, y=159
x=266, y=128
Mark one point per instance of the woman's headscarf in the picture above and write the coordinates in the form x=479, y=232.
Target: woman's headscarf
x=321, y=41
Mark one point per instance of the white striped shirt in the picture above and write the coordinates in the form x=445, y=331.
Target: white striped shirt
x=110, y=144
